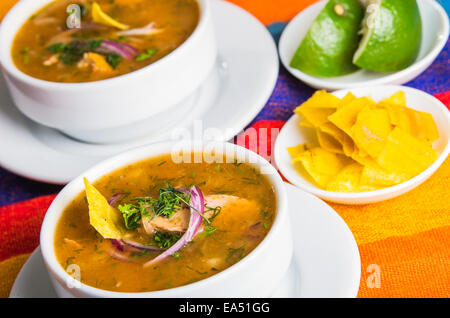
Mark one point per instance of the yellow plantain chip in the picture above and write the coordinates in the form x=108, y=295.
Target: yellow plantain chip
x=345, y=117
x=100, y=17
x=371, y=129
x=297, y=150
x=305, y=123
x=349, y=180
x=406, y=155
x=328, y=142
x=104, y=218
x=322, y=99
x=398, y=115
x=424, y=125
x=347, y=99
x=398, y=98
x=320, y=164
x=417, y=123
x=315, y=116
x=374, y=175
x=346, y=142
x=365, y=160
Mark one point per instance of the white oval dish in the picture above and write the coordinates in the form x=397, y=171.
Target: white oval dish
x=320, y=238
x=292, y=134
x=435, y=32
x=76, y=108
x=276, y=245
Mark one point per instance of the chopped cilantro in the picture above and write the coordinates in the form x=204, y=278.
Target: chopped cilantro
x=209, y=230
x=113, y=59
x=72, y=52
x=145, y=55
x=131, y=215
x=165, y=239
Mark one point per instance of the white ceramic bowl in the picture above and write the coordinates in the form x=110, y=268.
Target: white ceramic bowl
x=253, y=276
x=435, y=31
x=292, y=134
x=90, y=111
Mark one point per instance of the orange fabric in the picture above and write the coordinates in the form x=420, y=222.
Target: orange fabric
x=406, y=238
x=267, y=11
x=270, y=11
x=5, y=5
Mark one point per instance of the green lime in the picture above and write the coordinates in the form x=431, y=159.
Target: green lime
x=392, y=33
x=328, y=47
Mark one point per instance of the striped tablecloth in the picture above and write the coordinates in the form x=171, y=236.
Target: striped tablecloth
x=406, y=239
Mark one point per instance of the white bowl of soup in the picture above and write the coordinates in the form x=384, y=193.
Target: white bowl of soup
x=120, y=66
x=133, y=226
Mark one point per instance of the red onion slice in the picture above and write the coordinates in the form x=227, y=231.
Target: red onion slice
x=118, y=244
x=123, y=49
x=142, y=246
x=115, y=199
x=118, y=255
x=197, y=203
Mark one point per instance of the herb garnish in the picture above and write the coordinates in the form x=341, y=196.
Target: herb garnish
x=141, y=254
x=209, y=230
x=237, y=163
x=73, y=52
x=145, y=55
x=131, y=214
x=113, y=59
x=165, y=239
x=169, y=201
x=235, y=253
x=215, y=210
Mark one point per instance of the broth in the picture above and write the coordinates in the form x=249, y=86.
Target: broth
x=45, y=48
x=237, y=229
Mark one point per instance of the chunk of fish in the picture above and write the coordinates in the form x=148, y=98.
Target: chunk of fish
x=95, y=61
x=74, y=245
x=179, y=222
x=52, y=60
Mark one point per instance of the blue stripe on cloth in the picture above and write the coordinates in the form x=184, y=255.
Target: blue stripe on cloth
x=445, y=4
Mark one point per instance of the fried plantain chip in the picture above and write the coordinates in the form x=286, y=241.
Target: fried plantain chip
x=398, y=98
x=322, y=99
x=345, y=117
x=374, y=175
x=349, y=180
x=328, y=142
x=371, y=129
x=406, y=155
x=321, y=165
x=104, y=218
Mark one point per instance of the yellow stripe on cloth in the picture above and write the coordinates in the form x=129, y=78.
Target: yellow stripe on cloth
x=425, y=208
x=8, y=273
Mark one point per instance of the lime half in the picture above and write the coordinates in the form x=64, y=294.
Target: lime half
x=392, y=33
x=328, y=47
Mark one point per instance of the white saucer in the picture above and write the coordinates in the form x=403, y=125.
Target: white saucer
x=435, y=31
x=231, y=97
x=326, y=260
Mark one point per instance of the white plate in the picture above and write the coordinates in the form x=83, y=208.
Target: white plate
x=435, y=31
x=326, y=260
x=292, y=134
x=231, y=97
